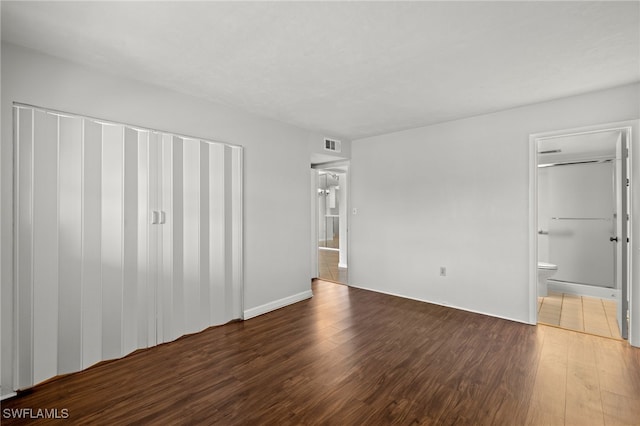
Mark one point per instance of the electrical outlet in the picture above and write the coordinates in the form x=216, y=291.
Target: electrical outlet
x=443, y=271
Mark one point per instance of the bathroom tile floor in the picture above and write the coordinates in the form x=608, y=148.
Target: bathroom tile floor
x=586, y=314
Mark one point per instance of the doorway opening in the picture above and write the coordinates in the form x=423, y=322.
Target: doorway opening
x=330, y=246
x=581, y=222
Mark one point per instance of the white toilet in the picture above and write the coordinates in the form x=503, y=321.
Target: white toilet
x=545, y=271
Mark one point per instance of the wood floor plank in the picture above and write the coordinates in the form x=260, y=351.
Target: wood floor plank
x=350, y=356
x=620, y=410
x=548, y=396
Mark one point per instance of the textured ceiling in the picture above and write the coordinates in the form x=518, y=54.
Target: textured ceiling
x=348, y=69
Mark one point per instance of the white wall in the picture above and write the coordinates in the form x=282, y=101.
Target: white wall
x=276, y=156
x=457, y=195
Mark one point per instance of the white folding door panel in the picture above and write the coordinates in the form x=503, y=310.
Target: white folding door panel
x=201, y=198
x=225, y=238
x=23, y=270
x=91, y=245
x=112, y=240
x=80, y=187
x=124, y=238
x=70, y=243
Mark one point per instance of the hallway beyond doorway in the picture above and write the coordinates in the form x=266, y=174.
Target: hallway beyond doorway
x=328, y=267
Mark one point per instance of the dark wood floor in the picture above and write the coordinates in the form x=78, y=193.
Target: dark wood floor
x=353, y=357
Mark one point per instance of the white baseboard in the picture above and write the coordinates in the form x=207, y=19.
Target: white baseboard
x=9, y=395
x=446, y=305
x=583, y=290
x=342, y=265
x=277, y=304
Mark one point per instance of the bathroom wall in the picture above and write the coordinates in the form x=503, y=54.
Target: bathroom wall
x=325, y=226
x=460, y=192
x=543, y=212
x=576, y=204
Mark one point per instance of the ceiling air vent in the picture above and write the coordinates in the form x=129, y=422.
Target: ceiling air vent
x=331, y=145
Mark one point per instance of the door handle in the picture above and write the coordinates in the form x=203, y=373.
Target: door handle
x=158, y=217
x=613, y=239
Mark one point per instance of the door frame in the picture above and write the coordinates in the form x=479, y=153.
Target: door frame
x=631, y=129
x=344, y=165
x=314, y=273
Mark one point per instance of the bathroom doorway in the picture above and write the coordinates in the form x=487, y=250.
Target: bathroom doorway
x=581, y=226
x=331, y=241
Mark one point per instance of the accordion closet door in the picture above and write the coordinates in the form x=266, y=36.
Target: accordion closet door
x=124, y=238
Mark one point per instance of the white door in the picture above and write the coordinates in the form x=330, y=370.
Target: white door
x=124, y=238
x=314, y=222
x=200, y=215
x=621, y=240
x=82, y=282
